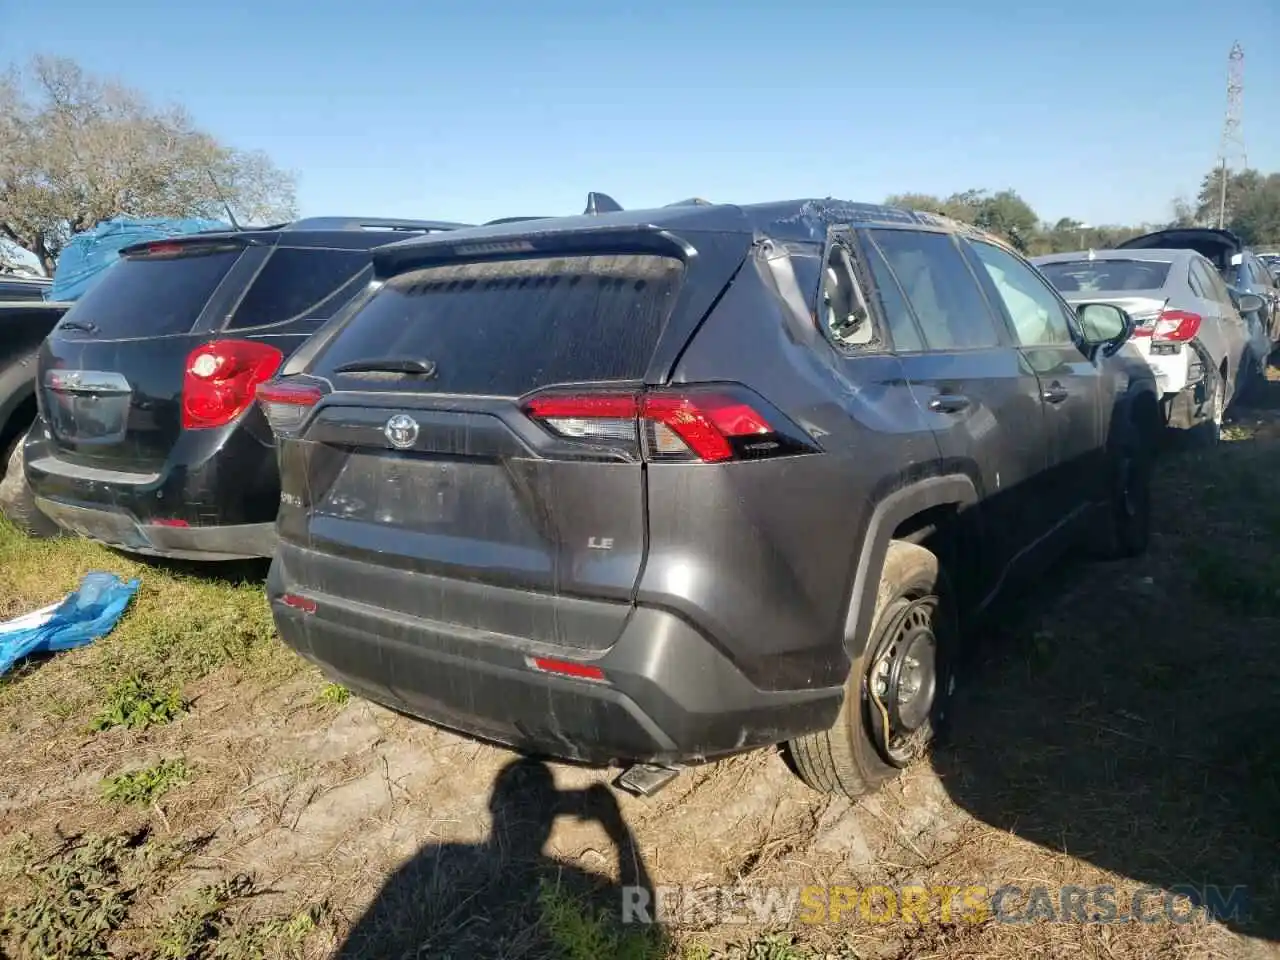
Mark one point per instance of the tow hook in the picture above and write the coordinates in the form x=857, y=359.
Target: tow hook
x=645, y=779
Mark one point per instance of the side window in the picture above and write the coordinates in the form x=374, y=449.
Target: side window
x=297, y=283
x=1217, y=285
x=1195, y=282
x=1039, y=318
x=941, y=290
x=843, y=310
x=1261, y=278
x=1203, y=275
x=894, y=306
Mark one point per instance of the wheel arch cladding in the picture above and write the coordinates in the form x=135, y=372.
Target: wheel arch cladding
x=888, y=514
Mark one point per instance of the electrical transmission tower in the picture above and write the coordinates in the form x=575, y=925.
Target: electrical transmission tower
x=1232, y=145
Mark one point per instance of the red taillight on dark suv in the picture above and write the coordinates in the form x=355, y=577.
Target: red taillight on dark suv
x=286, y=404
x=220, y=379
x=713, y=425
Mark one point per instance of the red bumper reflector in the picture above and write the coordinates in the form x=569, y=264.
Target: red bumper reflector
x=568, y=668
x=305, y=604
x=168, y=523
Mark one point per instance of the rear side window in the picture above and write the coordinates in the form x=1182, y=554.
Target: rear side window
x=1217, y=289
x=298, y=283
x=897, y=313
x=154, y=296
x=507, y=328
x=20, y=291
x=1088, y=276
x=942, y=291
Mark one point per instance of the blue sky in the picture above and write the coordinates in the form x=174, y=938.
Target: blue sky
x=1103, y=111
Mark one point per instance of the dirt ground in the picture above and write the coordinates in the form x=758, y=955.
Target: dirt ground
x=187, y=788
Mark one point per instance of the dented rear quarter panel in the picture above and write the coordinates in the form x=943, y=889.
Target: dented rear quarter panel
x=762, y=554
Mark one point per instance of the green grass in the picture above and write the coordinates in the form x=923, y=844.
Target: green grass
x=579, y=933
x=202, y=927
x=135, y=704
x=75, y=898
x=180, y=628
x=76, y=901
x=334, y=695
x=147, y=785
x=1239, y=586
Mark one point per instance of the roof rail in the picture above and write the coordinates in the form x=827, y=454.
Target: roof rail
x=598, y=203
x=373, y=223
x=494, y=223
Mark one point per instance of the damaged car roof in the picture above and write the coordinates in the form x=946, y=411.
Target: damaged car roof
x=792, y=220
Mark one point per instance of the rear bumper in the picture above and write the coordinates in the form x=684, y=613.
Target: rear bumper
x=669, y=696
x=116, y=528
x=1174, y=372
x=215, y=499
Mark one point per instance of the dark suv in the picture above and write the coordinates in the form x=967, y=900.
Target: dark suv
x=656, y=487
x=147, y=437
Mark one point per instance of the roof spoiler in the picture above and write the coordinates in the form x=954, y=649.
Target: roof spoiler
x=374, y=223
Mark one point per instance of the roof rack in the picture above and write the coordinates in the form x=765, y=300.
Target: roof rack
x=494, y=223
x=373, y=223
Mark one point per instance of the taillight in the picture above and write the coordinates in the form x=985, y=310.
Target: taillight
x=287, y=404
x=1176, y=325
x=220, y=380
x=163, y=249
x=711, y=425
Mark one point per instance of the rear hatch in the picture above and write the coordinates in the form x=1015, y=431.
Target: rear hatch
x=111, y=373
x=1218, y=246
x=484, y=427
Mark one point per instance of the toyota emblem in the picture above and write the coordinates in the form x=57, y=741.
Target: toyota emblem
x=401, y=431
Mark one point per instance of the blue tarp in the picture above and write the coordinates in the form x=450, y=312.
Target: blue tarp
x=89, y=253
x=82, y=617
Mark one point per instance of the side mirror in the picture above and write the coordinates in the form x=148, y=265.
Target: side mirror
x=1249, y=303
x=1104, y=325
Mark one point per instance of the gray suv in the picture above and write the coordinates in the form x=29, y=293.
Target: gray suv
x=656, y=487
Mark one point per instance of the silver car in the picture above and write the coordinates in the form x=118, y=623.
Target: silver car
x=1197, y=335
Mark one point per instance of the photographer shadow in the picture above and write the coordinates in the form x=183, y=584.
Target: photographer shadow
x=506, y=897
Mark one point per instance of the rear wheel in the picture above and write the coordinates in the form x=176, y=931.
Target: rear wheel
x=1126, y=526
x=17, y=502
x=896, y=690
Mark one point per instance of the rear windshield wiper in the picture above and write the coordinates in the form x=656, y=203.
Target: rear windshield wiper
x=411, y=366
x=85, y=325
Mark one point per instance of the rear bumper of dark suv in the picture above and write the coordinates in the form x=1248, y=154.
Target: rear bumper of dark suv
x=667, y=695
x=196, y=510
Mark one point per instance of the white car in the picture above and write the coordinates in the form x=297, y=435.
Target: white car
x=1204, y=348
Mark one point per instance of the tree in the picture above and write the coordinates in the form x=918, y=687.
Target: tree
x=76, y=150
x=1005, y=213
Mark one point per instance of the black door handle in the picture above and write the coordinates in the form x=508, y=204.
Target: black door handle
x=1054, y=393
x=949, y=403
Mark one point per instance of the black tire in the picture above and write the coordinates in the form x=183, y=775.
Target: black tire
x=17, y=502
x=849, y=759
x=1215, y=405
x=1125, y=530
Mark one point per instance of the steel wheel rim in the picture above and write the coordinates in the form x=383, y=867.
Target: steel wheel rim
x=902, y=681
